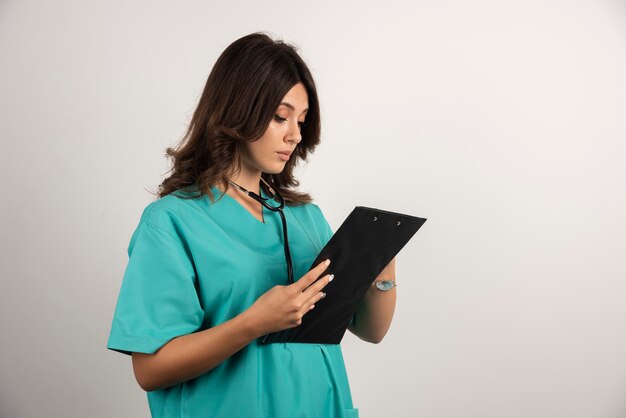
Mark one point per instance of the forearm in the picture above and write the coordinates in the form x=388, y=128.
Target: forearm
x=375, y=311
x=189, y=356
x=374, y=315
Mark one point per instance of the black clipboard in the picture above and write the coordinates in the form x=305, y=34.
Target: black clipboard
x=367, y=240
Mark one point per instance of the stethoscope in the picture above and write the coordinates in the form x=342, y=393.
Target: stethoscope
x=278, y=209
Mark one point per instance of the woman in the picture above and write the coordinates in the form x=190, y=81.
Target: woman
x=207, y=277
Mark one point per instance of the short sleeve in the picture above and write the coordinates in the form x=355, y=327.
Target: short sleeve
x=158, y=300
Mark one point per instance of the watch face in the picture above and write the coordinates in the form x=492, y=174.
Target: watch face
x=385, y=284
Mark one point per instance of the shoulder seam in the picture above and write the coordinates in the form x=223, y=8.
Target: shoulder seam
x=150, y=223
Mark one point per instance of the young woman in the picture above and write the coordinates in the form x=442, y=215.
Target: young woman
x=207, y=277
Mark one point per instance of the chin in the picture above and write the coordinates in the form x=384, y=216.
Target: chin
x=274, y=171
x=277, y=169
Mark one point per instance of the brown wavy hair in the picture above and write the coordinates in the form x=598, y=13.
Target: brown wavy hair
x=240, y=98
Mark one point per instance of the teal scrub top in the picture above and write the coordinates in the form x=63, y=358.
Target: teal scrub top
x=194, y=264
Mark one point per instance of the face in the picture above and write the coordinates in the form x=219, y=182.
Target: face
x=282, y=134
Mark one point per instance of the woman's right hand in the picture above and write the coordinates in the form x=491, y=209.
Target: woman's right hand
x=283, y=307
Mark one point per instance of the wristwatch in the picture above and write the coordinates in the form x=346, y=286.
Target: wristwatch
x=384, y=285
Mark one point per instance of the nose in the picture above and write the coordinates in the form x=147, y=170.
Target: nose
x=294, y=134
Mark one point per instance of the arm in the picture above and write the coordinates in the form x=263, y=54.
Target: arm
x=189, y=356
x=375, y=312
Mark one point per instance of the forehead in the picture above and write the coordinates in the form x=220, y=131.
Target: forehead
x=296, y=98
x=290, y=106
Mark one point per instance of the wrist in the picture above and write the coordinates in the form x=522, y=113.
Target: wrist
x=249, y=325
x=384, y=285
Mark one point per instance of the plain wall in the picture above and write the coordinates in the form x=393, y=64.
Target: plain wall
x=501, y=122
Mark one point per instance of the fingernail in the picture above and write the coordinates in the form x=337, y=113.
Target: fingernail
x=323, y=295
x=331, y=277
x=327, y=262
x=312, y=306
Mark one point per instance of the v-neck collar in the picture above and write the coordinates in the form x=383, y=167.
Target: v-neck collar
x=237, y=218
x=238, y=223
x=264, y=210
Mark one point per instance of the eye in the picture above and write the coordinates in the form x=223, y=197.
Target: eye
x=281, y=120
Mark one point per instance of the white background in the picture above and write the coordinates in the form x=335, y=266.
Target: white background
x=501, y=122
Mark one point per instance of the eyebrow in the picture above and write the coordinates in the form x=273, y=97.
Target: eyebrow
x=290, y=106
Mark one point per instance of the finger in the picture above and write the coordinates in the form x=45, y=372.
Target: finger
x=306, y=280
x=317, y=286
x=316, y=297
x=311, y=303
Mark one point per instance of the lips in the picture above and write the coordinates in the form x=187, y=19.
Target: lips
x=287, y=153
x=283, y=155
